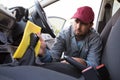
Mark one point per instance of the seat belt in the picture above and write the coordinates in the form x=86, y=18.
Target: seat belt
x=108, y=14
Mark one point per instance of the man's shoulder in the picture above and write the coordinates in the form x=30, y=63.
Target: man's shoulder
x=94, y=34
x=67, y=30
x=66, y=33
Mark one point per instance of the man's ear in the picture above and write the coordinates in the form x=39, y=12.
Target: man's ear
x=91, y=25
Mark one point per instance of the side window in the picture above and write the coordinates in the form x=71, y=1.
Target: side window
x=57, y=23
x=116, y=6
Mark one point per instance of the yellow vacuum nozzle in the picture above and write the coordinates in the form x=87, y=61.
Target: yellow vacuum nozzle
x=30, y=28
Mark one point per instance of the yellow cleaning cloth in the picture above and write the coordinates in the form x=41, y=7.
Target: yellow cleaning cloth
x=30, y=28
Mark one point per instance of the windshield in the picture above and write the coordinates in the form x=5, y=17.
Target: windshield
x=65, y=9
x=13, y=3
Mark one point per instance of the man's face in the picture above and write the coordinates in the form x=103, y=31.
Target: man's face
x=80, y=28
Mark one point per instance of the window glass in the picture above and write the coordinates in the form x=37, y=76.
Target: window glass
x=116, y=6
x=13, y=3
x=57, y=23
x=66, y=8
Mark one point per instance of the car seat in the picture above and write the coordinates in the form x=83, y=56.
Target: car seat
x=111, y=49
x=106, y=31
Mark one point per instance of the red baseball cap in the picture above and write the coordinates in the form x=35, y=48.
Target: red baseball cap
x=85, y=14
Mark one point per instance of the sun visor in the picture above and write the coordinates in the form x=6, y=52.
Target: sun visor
x=6, y=19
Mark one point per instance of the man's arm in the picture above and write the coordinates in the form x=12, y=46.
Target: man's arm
x=56, y=51
x=94, y=53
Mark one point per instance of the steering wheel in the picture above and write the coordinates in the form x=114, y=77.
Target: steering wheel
x=74, y=63
x=42, y=15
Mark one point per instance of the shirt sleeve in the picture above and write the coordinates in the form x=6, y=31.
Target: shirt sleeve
x=54, y=54
x=94, y=53
x=47, y=57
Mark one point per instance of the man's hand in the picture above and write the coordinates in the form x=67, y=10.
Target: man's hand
x=80, y=60
x=42, y=45
x=64, y=61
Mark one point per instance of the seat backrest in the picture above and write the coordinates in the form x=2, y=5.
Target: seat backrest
x=106, y=31
x=111, y=51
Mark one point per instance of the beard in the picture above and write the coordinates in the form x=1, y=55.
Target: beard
x=80, y=35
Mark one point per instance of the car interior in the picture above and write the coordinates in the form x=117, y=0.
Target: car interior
x=110, y=55
x=109, y=33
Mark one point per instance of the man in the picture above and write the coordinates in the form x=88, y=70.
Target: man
x=80, y=41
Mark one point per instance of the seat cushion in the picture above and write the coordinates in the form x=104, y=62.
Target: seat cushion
x=32, y=73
